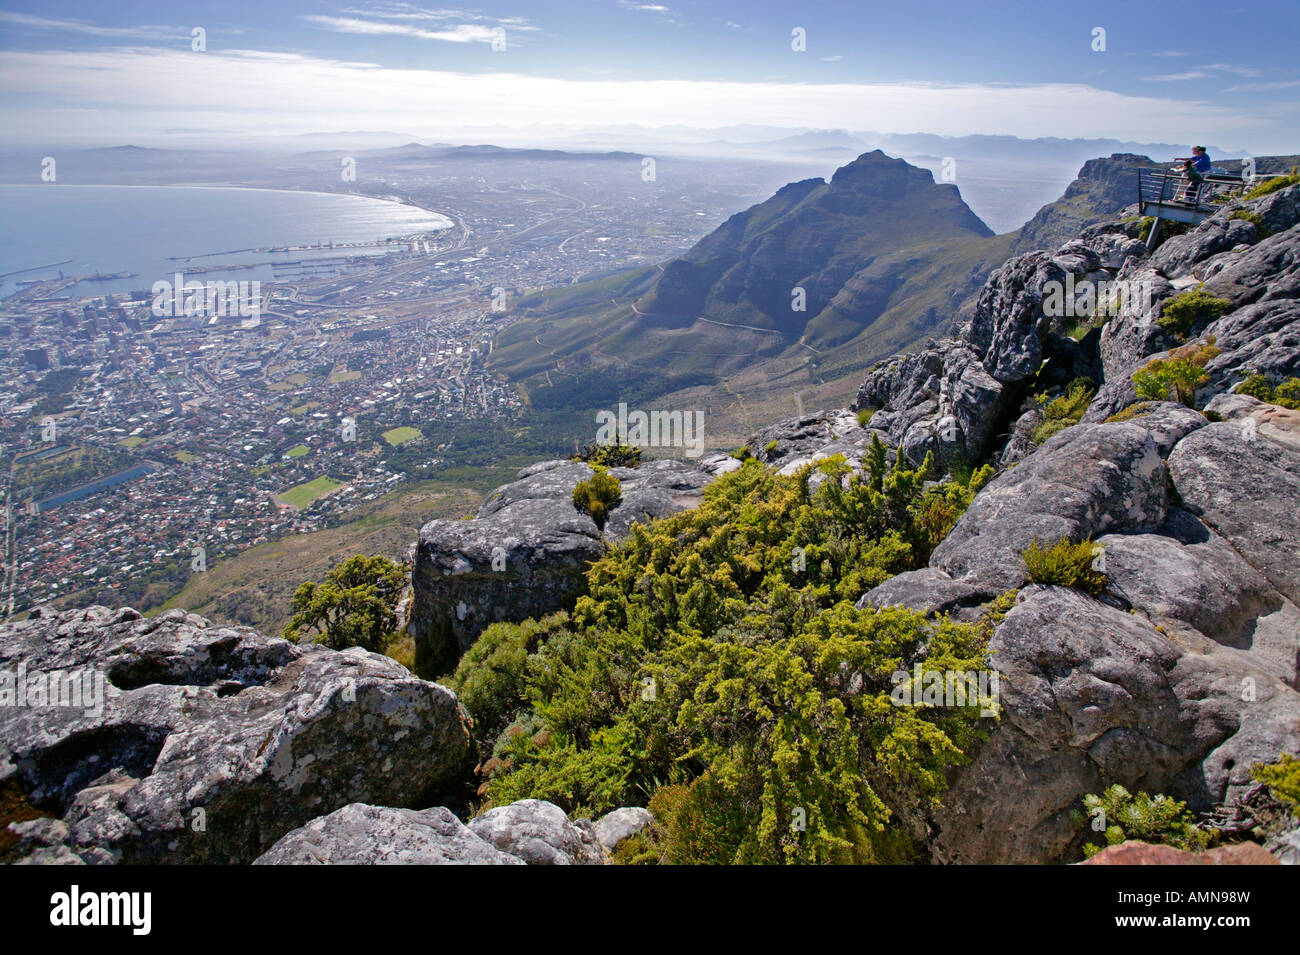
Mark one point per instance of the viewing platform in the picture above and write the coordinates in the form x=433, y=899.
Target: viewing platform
x=1171, y=195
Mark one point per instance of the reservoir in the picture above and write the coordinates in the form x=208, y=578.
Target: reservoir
x=153, y=231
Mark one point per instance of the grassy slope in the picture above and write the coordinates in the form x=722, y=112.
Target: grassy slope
x=255, y=588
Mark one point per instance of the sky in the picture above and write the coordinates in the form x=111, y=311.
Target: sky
x=235, y=71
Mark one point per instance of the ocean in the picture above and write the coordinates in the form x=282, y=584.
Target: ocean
x=151, y=230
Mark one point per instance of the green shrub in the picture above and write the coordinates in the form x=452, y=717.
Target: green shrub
x=1065, y=565
x=1261, y=230
x=1257, y=386
x=598, y=495
x=864, y=416
x=1286, y=395
x=1135, y=410
x=610, y=455
x=489, y=679
x=1269, y=186
x=1168, y=228
x=354, y=606
x=742, y=453
x=717, y=669
x=772, y=447
x=1065, y=411
x=1182, y=312
x=1177, y=376
x=1155, y=819
x=1282, y=778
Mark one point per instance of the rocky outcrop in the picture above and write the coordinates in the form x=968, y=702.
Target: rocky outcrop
x=528, y=832
x=1083, y=482
x=539, y=833
x=1136, y=852
x=1245, y=487
x=961, y=399
x=359, y=834
x=1093, y=696
x=196, y=743
x=525, y=552
x=1181, y=678
x=796, y=442
x=613, y=828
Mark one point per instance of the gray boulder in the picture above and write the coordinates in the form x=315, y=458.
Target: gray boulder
x=208, y=743
x=620, y=824
x=359, y=834
x=1185, y=577
x=539, y=833
x=1245, y=488
x=1084, y=481
x=525, y=553
x=939, y=400
x=1093, y=696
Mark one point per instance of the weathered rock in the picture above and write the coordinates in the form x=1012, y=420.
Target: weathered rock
x=1083, y=482
x=1218, y=233
x=1184, y=576
x=1244, y=487
x=793, y=443
x=1092, y=696
x=926, y=590
x=1134, y=332
x=1136, y=852
x=213, y=742
x=613, y=827
x=525, y=553
x=1007, y=330
x=1263, y=337
x=1259, y=418
x=539, y=833
x=1265, y=272
x=359, y=834
x=1020, y=444
x=938, y=400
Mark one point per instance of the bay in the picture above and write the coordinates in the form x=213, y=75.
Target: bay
x=150, y=230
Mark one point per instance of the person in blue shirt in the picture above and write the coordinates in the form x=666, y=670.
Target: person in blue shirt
x=1194, y=169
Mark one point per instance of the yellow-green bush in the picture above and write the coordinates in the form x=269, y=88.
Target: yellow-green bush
x=1195, y=306
x=1065, y=565
x=1287, y=394
x=1135, y=410
x=598, y=495
x=717, y=669
x=1156, y=819
x=1282, y=778
x=1273, y=185
x=1176, y=377
x=1064, y=411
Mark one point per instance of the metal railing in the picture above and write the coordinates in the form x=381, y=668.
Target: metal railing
x=1162, y=188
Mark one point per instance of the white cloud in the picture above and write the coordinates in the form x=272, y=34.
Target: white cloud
x=1177, y=77
x=127, y=95
x=81, y=26
x=1263, y=87
x=460, y=33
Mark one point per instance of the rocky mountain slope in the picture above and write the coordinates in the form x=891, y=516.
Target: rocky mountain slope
x=1179, y=676
x=885, y=257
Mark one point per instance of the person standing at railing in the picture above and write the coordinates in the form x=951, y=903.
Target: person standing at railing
x=1194, y=169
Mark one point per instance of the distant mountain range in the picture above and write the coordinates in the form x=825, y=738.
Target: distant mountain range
x=824, y=277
